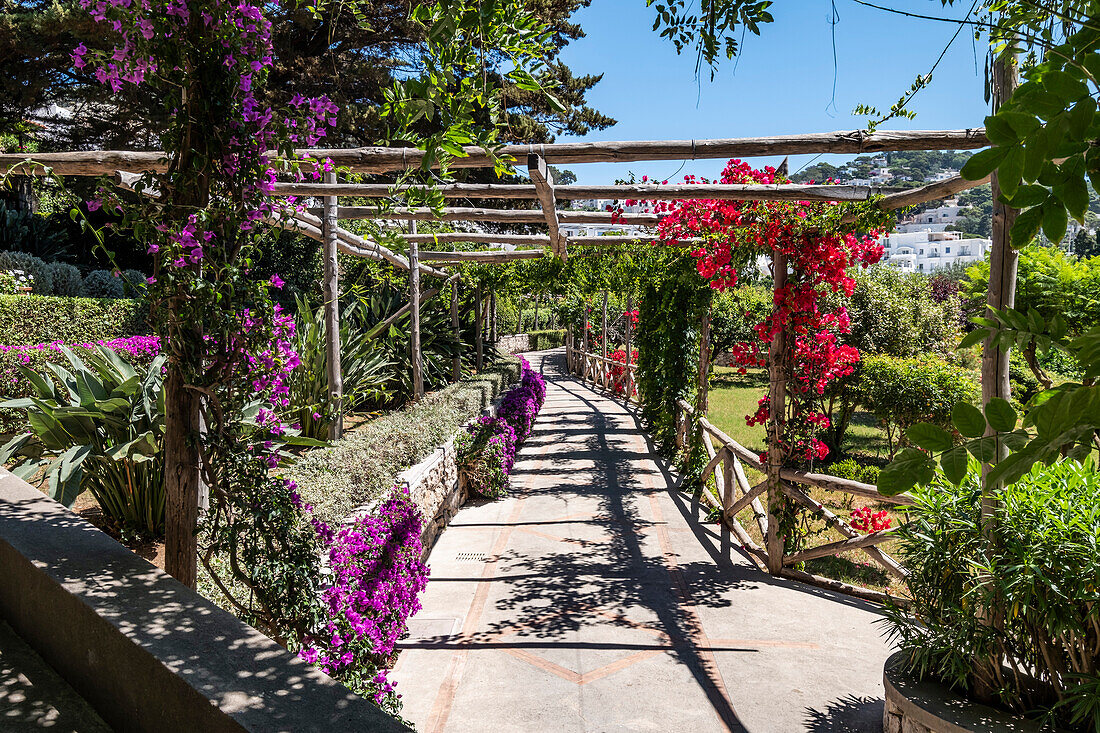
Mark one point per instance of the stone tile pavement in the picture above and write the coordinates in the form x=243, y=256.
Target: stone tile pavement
x=594, y=599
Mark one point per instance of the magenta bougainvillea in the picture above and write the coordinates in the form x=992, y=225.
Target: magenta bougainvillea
x=377, y=575
x=487, y=448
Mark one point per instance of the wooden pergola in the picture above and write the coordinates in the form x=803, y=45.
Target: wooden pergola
x=322, y=223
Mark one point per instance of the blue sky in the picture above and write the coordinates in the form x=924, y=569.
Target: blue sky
x=782, y=83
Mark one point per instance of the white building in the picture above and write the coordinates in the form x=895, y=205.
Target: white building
x=930, y=251
x=933, y=220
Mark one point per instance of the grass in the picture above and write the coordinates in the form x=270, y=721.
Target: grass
x=733, y=396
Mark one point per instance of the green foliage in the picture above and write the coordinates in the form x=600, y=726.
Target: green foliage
x=893, y=312
x=33, y=319
x=542, y=340
x=65, y=280
x=103, y=284
x=669, y=315
x=735, y=312
x=33, y=234
x=97, y=424
x=904, y=392
x=850, y=468
x=711, y=28
x=362, y=466
x=917, y=165
x=976, y=212
x=1032, y=568
x=1051, y=282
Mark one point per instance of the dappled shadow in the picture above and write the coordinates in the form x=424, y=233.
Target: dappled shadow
x=849, y=714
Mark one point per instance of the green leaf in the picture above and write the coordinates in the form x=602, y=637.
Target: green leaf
x=999, y=131
x=909, y=468
x=1080, y=119
x=976, y=336
x=984, y=449
x=954, y=463
x=968, y=420
x=1027, y=196
x=983, y=163
x=1000, y=415
x=13, y=446
x=1022, y=123
x=930, y=437
x=1012, y=468
x=1064, y=86
x=1075, y=195
x=1011, y=170
x=1055, y=221
x=1027, y=226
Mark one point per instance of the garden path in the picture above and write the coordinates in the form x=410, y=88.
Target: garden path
x=594, y=598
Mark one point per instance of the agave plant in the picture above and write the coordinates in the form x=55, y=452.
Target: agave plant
x=97, y=425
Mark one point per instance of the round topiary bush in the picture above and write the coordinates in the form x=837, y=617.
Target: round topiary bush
x=133, y=283
x=65, y=279
x=31, y=266
x=103, y=284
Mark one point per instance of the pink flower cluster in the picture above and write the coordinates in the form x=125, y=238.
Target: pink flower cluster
x=866, y=520
x=377, y=577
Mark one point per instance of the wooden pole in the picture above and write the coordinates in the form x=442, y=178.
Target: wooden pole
x=480, y=349
x=182, y=477
x=456, y=360
x=414, y=315
x=777, y=373
x=629, y=382
x=493, y=317
x=332, y=312
x=604, y=370
x=703, y=382
x=535, y=325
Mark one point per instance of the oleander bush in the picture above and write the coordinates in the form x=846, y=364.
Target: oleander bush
x=361, y=467
x=1011, y=608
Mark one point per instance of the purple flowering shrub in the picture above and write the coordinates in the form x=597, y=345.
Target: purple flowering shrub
x=377, y=577
x=487, y=448
x=486, y=451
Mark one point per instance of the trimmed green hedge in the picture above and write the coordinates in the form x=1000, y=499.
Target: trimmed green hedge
x=362, y=466
x=33, y=319
x=541, y=340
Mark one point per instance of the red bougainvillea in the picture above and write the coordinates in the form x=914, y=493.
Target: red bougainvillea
x=820, y=250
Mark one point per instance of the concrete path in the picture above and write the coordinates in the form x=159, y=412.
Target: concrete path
x=593, y=599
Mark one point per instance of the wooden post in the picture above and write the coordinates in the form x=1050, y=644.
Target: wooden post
x=456, y=360
x=604, y=371
x=535, y=325
x=629, y=384
x=478, y=317
x=414, y=316
x=493, y=317
x=777, y=373
x=569, y=348
x=703, y=401
x=332, y=313
x=181, y=478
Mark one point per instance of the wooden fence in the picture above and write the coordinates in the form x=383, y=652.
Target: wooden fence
x=726, y=461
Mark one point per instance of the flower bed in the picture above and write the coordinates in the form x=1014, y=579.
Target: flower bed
x=487, y=449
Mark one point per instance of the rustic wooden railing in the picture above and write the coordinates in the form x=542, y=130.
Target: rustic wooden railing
x=600, y=371
x=726, y=461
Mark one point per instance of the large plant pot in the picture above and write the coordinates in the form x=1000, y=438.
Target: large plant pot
x=920, y=706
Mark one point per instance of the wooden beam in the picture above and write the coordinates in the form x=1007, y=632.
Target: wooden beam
x=486, y=257
x=478, y=238
x=841, y=587
x=544, y=187
x=479, y=353
x=840, y=546
x=380, y=159
x=777, y=415
x=636, y=191
x=332, y=314
x=498, y=216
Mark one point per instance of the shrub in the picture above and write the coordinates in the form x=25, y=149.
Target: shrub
x=486, y=451
x=901, y=392
x=133, y=283
x=103, y=284
x=107, y=438
x=897, y=313
x=1037, y=578
x=65, y=279
x=361, y=467
x=32, y=320
x=376, y=577
x=851, y=469
x=33, y=267
x=735, y=312
x=542, y=340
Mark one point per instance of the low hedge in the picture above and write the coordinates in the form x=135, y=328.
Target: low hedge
x=542, y=340
x=33, y=319
x=362, y=466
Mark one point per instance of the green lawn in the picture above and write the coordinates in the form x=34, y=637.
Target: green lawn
x=732, y=397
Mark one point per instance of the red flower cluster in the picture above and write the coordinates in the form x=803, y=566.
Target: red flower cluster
x=618, y=382
x=867, y=521
x=734, y=234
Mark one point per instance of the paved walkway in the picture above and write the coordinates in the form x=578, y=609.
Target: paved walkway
x=593, y=599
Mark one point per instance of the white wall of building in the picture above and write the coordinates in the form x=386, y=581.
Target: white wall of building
x=927, y=251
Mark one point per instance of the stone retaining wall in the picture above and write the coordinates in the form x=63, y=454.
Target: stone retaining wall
x=514, y=344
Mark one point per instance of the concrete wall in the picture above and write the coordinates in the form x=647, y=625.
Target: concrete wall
x=148, y=653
